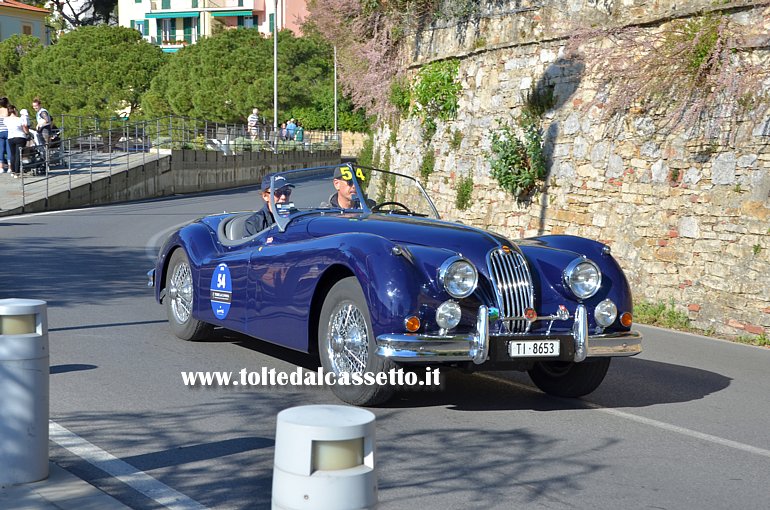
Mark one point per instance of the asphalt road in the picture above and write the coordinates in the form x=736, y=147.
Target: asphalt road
x=685, y=425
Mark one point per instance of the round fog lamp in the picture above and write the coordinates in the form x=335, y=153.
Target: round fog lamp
x=448, y=315
x=605, y=313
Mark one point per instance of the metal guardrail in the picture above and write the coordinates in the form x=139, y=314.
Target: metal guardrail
x=92, y=146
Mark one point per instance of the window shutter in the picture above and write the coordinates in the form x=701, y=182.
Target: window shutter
x=188, y=30
x=172, y=29
x=240, y=21
x=272, y=23
x=146, y=28
x=159, y=27
x=165, y=4
x=133, y=24
x=195, y=4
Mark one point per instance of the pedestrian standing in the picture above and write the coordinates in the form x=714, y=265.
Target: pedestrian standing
x=17, y=138
x=4, y=148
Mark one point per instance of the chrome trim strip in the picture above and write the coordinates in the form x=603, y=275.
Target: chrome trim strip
x=626, y=343
x=580, y=333
x=475, y=346
x=482, y=337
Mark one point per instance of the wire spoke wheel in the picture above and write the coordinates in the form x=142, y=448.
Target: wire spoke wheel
x=180, y=298
x=346, y=345
x=180, y=292
x=348, y=339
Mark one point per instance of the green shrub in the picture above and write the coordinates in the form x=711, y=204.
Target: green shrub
x=661, y=314
x=464, y=193
x=437, y=92
x=427, y=166
x=518, y=164
x=401, y=96
x=366, y=154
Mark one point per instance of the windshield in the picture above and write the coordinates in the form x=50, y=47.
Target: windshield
x=345, y=188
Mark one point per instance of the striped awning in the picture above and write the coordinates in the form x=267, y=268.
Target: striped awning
x=177, y=14
x=220, y=14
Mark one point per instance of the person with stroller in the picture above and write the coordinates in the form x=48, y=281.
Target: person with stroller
x=44, y=121
x=17, y=138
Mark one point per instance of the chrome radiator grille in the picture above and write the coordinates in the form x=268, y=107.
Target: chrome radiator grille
x=513, y=287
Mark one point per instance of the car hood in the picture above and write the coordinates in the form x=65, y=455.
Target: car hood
x=456, y=237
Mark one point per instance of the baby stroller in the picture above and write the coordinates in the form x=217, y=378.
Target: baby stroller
x=34, y=154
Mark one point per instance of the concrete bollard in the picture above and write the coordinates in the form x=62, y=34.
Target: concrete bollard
x=24, y=391
x=324, y=459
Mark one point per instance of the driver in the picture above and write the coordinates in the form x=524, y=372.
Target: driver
x=263, y=218
x=346, y=196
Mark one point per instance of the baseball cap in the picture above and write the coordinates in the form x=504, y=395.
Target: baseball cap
x=338, y=173
x=280, y=182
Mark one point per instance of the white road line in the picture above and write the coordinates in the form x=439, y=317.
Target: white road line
x=652, y=423
x=126, y=473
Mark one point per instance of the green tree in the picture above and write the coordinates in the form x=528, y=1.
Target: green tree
x=91, y=71
x=12, y=51
x=224, y=76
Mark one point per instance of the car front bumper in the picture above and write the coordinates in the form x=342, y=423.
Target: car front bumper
x=477, y=346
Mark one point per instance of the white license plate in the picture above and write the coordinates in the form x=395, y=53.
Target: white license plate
x=533, y=348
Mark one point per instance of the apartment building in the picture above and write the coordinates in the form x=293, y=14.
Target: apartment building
x=20, y=18
x=172, y=24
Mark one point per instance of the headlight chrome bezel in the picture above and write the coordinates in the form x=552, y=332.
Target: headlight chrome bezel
x=572, y=283
x=448, y=269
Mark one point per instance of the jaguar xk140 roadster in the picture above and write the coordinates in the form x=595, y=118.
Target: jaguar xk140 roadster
x=378, y=281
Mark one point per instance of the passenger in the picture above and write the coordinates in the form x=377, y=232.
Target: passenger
x=346, y=196
x=263, y=218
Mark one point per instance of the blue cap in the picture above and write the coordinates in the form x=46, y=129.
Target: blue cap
x=280, y=182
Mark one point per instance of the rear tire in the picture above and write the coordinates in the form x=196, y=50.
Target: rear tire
x=180, y=295
x=569, y=379
x=346, y=344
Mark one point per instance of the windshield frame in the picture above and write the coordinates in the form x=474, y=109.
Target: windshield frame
x=283, y=220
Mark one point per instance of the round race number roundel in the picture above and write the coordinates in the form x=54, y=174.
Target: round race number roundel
x=221, y=291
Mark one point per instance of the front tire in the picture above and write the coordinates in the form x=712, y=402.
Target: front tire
x=569, y=379
x=346, y=344
x=180, y=295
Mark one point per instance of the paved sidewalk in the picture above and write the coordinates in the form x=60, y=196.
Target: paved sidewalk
x=60, y=491
x=82, y=170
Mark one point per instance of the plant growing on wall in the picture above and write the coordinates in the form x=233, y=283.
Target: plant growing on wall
x=464, y=193
x=428, y=165
x=436, y=93
x=518, y=164
x=688, y=71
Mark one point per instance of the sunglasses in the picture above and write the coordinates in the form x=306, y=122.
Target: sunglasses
x=283, y=192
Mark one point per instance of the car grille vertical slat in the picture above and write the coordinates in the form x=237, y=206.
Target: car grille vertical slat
x=513, y=286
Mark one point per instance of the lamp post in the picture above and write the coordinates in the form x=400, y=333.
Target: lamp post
x=335, y=92
x=275, y=75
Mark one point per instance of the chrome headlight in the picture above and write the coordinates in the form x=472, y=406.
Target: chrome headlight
x=458, y=276
x=583, y=278
x=448, y=315
x=605, y=313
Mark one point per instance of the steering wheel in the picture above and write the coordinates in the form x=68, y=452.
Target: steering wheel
x=379, y=207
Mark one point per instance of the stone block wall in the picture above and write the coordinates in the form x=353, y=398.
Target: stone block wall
x=687, y=218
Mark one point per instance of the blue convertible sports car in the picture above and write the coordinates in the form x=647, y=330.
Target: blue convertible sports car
x=376, y=280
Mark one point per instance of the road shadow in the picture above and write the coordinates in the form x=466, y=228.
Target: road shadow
x=630, y=383
x=70, y=271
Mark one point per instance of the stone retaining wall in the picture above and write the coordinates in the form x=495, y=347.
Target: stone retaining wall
x=688, y=219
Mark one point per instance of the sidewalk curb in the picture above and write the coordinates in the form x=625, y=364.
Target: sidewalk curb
x=61, y=490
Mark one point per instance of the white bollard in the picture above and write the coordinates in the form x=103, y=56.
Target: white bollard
x=24, y=390
x=324, y=459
